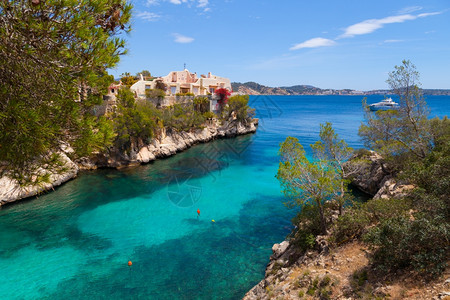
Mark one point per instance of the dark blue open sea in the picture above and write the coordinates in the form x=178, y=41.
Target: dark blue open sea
x=75, y=242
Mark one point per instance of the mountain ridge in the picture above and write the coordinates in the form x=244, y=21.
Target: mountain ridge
x=254, y=88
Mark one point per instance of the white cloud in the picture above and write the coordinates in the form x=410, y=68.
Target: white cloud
x=200, y=3
x=314, y=43
x=182, y=39
x=369, y=26
x=203, y=3
x=429, y=14
x=409, y=9
x=148, y=16
x=152, y=2
x=393, y=41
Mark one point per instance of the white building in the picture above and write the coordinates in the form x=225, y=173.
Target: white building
x=181, y=82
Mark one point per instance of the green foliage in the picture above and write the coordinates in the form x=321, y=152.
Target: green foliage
x=402, y=242
x=308, y=226
x=184, y=94
x=127, y=79
x=96, y=135
x=154, y=93
x=359, y=278
x=335, y=151
x=432, y=172
x=53, y=54
x=145, y=73
x=314, y=182
x=182, y=117
x=403, y=134
x=209, y=115
x=355, y=222
x=352, y=224
x=134, y=119
x=201, y=104
x=238, y=106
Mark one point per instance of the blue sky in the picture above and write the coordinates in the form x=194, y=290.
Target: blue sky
x=324, y=43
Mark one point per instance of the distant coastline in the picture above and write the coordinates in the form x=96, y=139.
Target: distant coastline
x=253, y=88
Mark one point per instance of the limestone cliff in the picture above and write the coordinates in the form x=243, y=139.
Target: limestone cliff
x=11, y=190
x=369, y=173
x=167, y=144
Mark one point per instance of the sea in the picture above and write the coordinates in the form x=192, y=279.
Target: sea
x=136, y=234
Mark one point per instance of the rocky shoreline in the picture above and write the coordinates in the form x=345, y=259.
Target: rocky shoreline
x=168, y=143
x=292, y=274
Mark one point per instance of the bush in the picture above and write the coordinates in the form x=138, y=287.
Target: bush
x=154, y=93
x=182, y=117
x=134, y=119
x=96, y=134
x=184, y=94
x=238, y=105
x=354, y=222
x=209, y=115
x=402, y=242
x=307, y=223
x=201, y=104
x=351, y=225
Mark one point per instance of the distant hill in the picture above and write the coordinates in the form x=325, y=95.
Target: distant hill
x=253, y=88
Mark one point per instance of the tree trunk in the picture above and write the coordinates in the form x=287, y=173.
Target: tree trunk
x=323, y=223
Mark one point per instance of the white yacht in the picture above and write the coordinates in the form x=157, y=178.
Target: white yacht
x=385, y=104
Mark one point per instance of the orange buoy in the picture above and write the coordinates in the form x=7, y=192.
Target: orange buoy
x=129, y=263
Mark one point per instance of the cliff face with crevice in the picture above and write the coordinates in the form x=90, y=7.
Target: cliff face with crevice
x=167, y=144
x=369, y=173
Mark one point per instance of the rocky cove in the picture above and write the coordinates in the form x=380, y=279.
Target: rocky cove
x=166, y=144
x=327, y=272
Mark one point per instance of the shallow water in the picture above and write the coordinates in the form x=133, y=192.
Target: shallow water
x=75, y=242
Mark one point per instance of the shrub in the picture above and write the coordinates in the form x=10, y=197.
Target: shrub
x=134, y=119
x=201, y=104
x=182, y=117
x=184, y=94
x=401, y=242
x=209, y=115
x=307, y=223
x=356, y=220
x=352, y=224
x=154, y=93
x=239, y=106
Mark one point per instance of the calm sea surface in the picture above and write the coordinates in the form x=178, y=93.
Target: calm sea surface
x=75, y=242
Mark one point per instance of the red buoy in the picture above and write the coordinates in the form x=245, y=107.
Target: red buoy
x=129, y=263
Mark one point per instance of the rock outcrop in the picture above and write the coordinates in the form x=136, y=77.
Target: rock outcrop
x=366, y=170
x=11, y=190
x=168, y=144
x=369, y=173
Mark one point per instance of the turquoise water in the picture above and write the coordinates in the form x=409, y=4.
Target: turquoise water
x=75, y=242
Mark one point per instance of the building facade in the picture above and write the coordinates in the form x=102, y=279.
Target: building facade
x=182, y=82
